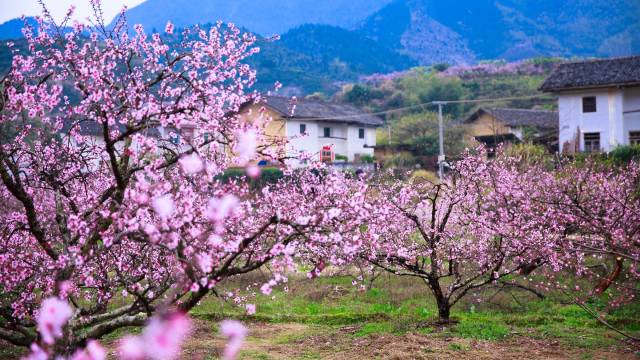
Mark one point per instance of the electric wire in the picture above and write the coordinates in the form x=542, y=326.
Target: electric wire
x=423, y=105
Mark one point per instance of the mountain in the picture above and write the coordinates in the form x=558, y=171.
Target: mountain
x=306, y=59
x=430, y=31
x=320, y=57
x=427, y=31
x=465, y=31
x=12, y=29
x=265, y=17
x=327, y=43
x=340, y=47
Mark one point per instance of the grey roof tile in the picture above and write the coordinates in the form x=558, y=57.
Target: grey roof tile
x=541, y=119
x=599, y=73
x=315, y=110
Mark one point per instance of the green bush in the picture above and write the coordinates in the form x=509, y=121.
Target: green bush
x=268, y=175
x=621, y=155
x=440, y=67
x=367, y=159
x=625, y=154
x=401, y=160
x=341, y=157
x=530, y=154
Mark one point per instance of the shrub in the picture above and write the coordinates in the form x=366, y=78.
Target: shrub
x=625, y=154
x=424, y=175
x=367, y=159
x=529, y=154
x=403, y=159
x=268, y=175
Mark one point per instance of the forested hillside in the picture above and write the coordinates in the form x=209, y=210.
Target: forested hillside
x=327, y=44
x=465, y=31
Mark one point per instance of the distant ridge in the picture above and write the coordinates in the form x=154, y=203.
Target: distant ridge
x=265, y=17
x=433, y=31
x=12, y=29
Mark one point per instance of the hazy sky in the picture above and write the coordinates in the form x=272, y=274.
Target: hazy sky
x=10, y=9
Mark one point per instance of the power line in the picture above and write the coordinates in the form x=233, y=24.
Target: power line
x=476, y=101
x=422, y=105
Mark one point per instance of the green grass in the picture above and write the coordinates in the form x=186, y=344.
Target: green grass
x=458, y=347
x=332, y=306
x=254, y=355
x=398, y=306
x=483, y=328
x=376, y=328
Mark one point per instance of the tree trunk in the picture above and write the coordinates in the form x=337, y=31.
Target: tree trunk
x=444, y=307
x=444, y=310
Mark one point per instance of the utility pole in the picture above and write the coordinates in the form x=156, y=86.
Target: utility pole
x=441, y=157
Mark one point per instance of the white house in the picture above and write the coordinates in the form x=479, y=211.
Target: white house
x=312, y=125
x=599, y=103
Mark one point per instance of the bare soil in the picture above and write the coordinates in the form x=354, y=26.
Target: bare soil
x=300, y=341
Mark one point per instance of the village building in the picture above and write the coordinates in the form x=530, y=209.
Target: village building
x=598, y=102
x=493, y=126
x=323, y=131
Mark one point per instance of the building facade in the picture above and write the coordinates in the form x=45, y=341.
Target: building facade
x=598, y=103
x=492, y=126
x=313, y=126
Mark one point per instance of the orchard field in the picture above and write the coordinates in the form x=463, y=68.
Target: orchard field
x=330, y=318
x=122, y=235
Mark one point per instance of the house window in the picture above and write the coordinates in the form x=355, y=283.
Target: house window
x=591, y=142
x=327, y=132
x=174, y=138
x=303, y=128
x=361, y=133
x=589, y=104
x=634, y=137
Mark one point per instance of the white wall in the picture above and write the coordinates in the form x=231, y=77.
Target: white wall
x=607, y=120
x=344, y=139
x=338, y=139
x=631, y=108
x=357, y=145
x=299, y=143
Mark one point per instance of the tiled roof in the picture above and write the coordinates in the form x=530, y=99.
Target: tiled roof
x=93, y=128
x=594, y=74
x=315, y=110
x=520, y=117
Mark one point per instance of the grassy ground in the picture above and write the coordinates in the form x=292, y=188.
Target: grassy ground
x=329, y=318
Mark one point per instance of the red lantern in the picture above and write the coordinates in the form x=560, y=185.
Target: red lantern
x=327, y=155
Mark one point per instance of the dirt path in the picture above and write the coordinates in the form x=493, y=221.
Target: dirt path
x=299, y=341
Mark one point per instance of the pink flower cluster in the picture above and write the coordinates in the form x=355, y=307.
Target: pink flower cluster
x=161, y=339
x=52, y=318
x=493, y=68
x=236, y=333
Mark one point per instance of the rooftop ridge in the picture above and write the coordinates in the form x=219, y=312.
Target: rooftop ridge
x=593, y=60
x=517, y=109
x=596, y=73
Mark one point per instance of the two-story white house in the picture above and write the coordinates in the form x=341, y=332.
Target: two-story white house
x=598, y=103
x=312, y=126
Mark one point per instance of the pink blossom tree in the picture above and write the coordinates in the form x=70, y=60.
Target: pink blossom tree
x=460, y=235
x=596, y=209
x=110, y=147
